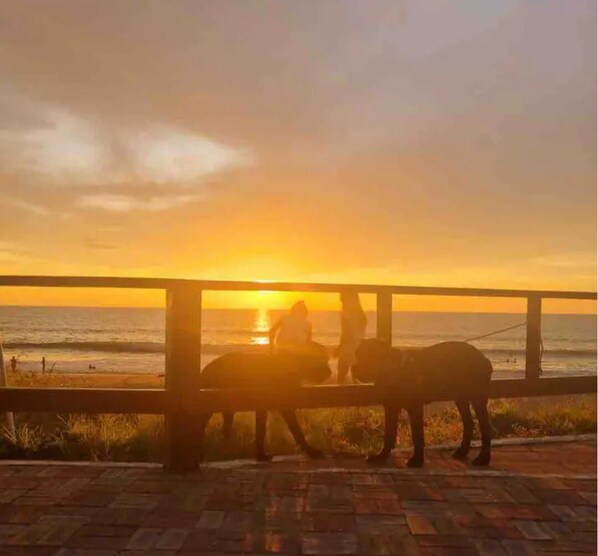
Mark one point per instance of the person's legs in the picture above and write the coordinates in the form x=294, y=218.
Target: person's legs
x=342, y=370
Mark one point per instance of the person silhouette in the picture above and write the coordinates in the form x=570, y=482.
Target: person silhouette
x=292, y=332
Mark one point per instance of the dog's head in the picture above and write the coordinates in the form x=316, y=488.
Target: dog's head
x=312, y=363
x=375, y=360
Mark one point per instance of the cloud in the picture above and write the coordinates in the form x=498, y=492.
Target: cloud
x=28, y=206
x=573, y=259
x=59, y=147
x=126, y=203
x=168, y=155
x=12, y=254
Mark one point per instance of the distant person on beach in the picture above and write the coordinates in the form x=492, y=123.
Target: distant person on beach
x=43, y=365
x=292, y=332
x=13, y=363
x=353, y=325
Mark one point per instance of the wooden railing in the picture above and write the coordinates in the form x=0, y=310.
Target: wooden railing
x=181, y=400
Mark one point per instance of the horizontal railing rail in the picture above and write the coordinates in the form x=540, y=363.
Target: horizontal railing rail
x=182, y=400
x=224, y=285
x=157, y=402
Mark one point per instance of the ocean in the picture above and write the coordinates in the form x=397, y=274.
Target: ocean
x=131, y=340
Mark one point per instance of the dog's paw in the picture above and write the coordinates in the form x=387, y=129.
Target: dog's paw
x=265, y=458
x=376, y=458
x=460, y=453
x=482, y=459
x=415, y=462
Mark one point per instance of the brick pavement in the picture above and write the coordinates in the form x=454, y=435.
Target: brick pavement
x=535, y=499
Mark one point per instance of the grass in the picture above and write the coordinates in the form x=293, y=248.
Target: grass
x=345, y=431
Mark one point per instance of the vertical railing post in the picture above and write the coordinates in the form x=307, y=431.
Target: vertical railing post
x=384, y=316
x=533, y=337
x=10, y=421
x=183, y=363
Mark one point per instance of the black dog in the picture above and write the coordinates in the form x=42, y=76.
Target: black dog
x=456, y=369
x=274, y=372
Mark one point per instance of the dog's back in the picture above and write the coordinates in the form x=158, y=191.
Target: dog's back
x=266, y=370
x=456, y=366
x=245, y=370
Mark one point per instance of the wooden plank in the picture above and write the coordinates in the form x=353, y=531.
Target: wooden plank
x=92, y=400
x=367, y=395
x=166, y=283
x=183, y=364
x=384, y=317
x=533, y=337
x=86, y=400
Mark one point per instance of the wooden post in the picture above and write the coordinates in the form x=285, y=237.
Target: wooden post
x=10, y=421
x=384, y=317
x=183, y=364
x=533, y=337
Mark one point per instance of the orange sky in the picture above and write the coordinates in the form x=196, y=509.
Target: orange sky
x=410, y=143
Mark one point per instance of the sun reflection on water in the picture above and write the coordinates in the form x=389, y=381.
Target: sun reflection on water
x=261, y=326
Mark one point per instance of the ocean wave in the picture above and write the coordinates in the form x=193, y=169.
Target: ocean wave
x=222, y=348
x=112, y=347
x=547, y=351
x=126, y=347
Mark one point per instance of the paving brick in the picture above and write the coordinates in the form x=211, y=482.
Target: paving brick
x=323, y=522
x=210, y=519
x=533, y=530
x=144, y=539
x=29, y=535
x=388, y=543
x=172, y=539
x=377, y=506
x=288, y=508
x=107, y=530
x=490, y=547
x=374, y=491
x=380, y=523
x=329, y=543
x=446, y=541
x=407, y=491
x=96, y=543
x=120, y=516
x=564, y=513
x=562, y=497
x=62, y=528
x=85, y=552
x=419, y=525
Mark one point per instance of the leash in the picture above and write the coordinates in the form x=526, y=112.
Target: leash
x=496, y=332
x=505, y=330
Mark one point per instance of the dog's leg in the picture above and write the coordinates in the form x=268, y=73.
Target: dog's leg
x=204, y=419
x=481, y=410
x=465, y=412
x=391, y=420
x=416, y=419
x=261, y=424
x=227, y=424
x=295, y=428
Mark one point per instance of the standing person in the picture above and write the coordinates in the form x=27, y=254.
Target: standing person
x=353, y=325
x=292, y=331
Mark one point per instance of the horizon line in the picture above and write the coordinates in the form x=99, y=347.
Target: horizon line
x=279, y=309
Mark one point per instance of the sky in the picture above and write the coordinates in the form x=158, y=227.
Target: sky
x=385, y=142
